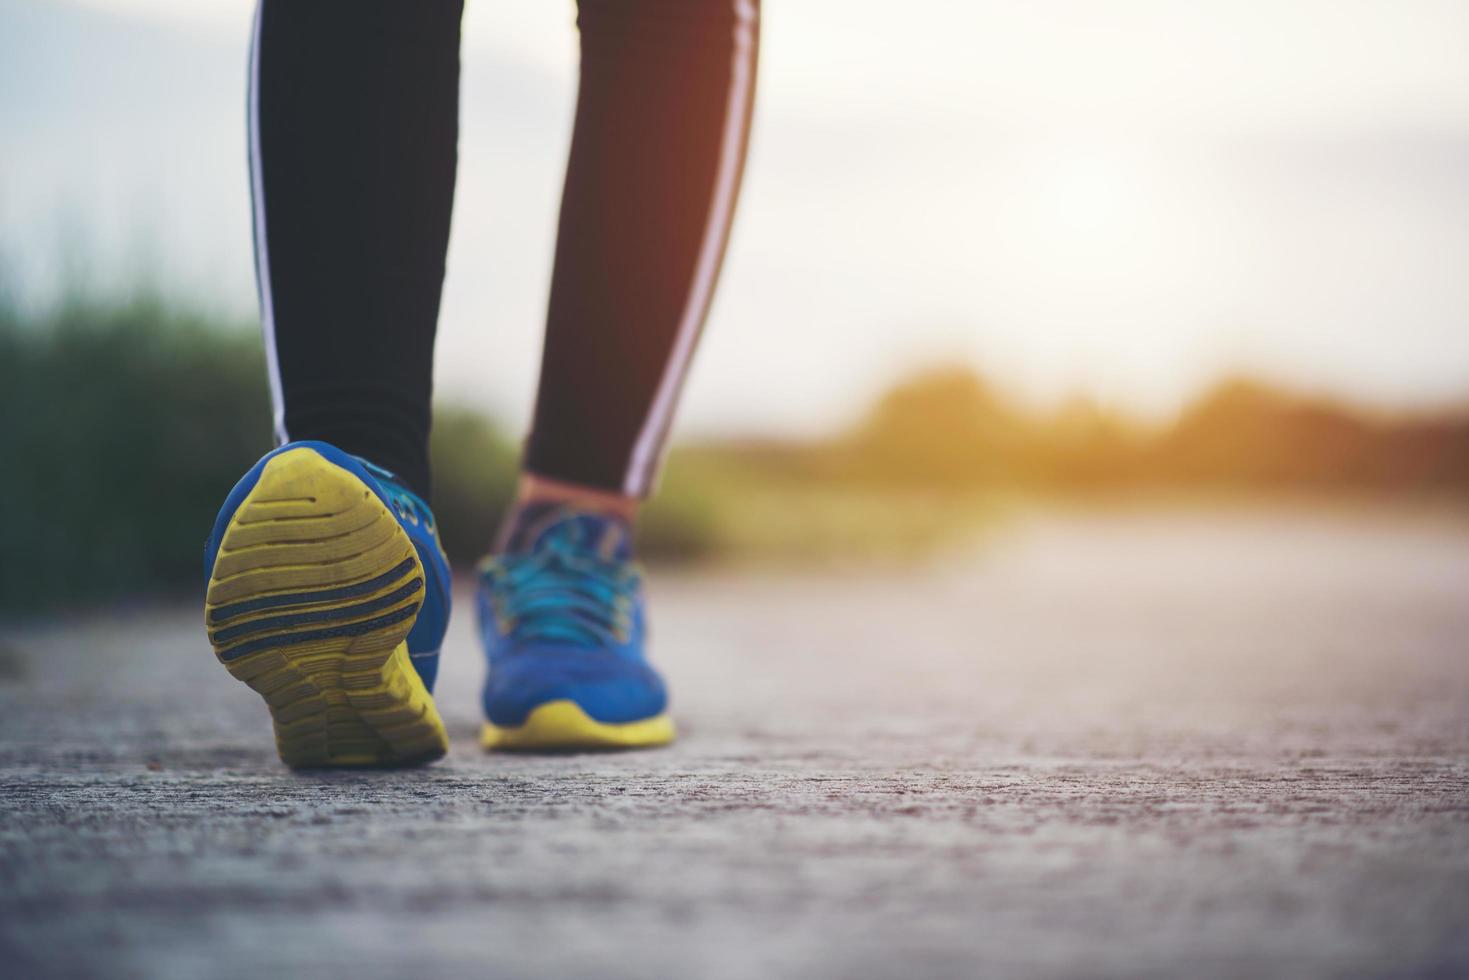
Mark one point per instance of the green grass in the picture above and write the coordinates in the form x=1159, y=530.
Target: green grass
x=125, y=425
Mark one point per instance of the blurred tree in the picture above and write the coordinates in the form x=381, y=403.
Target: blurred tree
x=1242, y=433
x=474, y=480
x=942, y=427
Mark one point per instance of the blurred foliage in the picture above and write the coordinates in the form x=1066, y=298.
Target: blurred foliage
x=792, y=504
x=1244, y=435
x=474, y=479
x=947, y=429
x=127, y=422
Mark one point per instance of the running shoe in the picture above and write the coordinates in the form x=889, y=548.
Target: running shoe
x=328, y=593
x=561, y=616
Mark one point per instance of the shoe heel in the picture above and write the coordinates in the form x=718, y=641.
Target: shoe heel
x=310, y=601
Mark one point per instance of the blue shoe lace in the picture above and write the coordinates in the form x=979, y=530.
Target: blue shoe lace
x=562, y=592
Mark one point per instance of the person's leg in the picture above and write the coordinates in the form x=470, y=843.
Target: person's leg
x=326, y=589
x=663, y=113
x=354, y=109
x=661, y=122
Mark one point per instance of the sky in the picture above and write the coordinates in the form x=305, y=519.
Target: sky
x=1121, y=200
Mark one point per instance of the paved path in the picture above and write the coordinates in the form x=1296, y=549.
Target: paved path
x=1126, y=747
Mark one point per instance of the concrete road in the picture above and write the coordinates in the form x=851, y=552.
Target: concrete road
x=1162, y=746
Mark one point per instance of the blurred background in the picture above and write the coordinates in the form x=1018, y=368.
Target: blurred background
x=992, y=258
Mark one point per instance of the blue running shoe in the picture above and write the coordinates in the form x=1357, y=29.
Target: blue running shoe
x=561, y=615
x=328, y=593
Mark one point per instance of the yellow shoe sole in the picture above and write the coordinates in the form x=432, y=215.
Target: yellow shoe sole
x=310, y=601
x=564, y=725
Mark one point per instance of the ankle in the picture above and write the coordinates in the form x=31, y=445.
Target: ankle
x=533, y=489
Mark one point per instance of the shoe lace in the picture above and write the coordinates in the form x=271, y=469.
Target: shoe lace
x=562, y=592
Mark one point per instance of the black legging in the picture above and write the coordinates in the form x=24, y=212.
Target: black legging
x=353, y=125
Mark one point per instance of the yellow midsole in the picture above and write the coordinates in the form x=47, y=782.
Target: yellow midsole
x=564, y=725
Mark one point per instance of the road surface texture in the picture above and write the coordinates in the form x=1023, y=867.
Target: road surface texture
x=1104, y=747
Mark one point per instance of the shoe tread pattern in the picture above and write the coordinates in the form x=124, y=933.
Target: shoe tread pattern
x=310, y=602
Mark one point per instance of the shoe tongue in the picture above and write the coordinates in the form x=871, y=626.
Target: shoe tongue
x=533, y=525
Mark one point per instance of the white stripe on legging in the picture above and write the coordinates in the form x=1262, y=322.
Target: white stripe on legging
x=649, y=444
x=262, y=257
